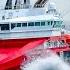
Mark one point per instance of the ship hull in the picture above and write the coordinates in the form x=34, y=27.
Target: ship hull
x=12, y=51
x=11, y=55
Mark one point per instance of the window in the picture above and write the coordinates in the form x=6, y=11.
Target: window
x=60, y=22
x=18, y=24
x=37, y=23
x=49, y=44
x=3, y=17
x=0, y=25
x=31, y=24
x=24, y=1
x=42, y=23
x=24, y=24
x=13, y=25
x=4, y=26
x=51, y=22
x=48, y=22
x=63, y=26
x=8, y=4
x=57, y=24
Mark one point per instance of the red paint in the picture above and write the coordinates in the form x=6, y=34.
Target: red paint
x=11, y=43
x=13, y=56
x=12, y=52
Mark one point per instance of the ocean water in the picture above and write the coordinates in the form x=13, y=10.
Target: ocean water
x=50, y=62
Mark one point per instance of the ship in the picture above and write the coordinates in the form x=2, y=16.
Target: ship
x=25, y=27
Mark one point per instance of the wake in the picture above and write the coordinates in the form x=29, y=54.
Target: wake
x=50, y=62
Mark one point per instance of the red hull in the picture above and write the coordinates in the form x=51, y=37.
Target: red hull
x=12, y=52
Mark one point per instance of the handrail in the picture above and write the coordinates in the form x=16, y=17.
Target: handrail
x=40, y=3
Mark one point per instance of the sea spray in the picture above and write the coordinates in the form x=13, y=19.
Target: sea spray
x=50, y=62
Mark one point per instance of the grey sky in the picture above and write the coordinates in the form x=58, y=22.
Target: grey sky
x=64, y=7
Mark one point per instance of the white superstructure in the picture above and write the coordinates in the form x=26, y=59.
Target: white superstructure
x=21, y=20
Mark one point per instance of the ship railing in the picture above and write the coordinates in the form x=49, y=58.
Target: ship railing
x=8, y=7
x=17, y=6
x=55, y=44
x=21, y=6
x=38, y=5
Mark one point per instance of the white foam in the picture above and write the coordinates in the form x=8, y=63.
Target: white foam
x=52, y=62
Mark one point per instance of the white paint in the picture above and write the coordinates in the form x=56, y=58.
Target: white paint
x=33, y=18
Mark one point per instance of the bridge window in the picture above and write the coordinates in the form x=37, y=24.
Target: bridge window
x=5, y=27
x=8, y=4
x=37, y=23
x=24, y=1
x=54, y=24
x=18, y=24
x=24, y=24
x=51, y=22
x=48, y=22
x=57, y=24
x=31, y=24
x=13, y=25
x=63, y=26
x=60, y=22
x=42, y=23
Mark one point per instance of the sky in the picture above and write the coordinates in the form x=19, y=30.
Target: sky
x=64, y=7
